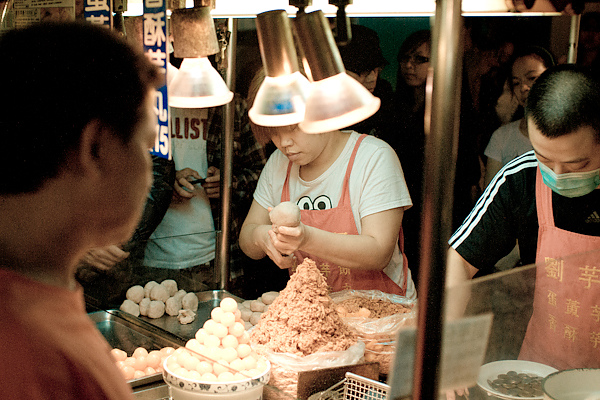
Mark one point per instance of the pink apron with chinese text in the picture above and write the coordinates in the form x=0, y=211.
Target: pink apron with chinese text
x=564, y=329
x=341, y=220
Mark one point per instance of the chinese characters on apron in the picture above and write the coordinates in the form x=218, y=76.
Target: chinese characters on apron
x=564, y=329
x=341, y=220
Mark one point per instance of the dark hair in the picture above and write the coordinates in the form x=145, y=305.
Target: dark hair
x=57, y=78
x=563, y=99
x=363, y=52
x=539, y=52
x=403, y=94
x=413, y=41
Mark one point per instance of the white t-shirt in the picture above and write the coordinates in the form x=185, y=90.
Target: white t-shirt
x=186, y=236
x=507, y=142
x=376, y=184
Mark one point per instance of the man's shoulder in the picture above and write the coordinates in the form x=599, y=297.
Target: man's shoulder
x=520, y=170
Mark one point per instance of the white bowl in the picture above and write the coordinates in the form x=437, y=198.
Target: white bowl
x=181, y=388
x=573, y=384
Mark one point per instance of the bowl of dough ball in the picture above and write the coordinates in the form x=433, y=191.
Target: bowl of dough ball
x=218, y=362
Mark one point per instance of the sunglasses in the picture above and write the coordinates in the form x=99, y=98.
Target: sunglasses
x=415, y=59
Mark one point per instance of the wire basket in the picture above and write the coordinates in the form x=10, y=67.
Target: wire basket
x=354, y=387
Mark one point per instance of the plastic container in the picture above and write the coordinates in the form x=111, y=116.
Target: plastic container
x=181, y=388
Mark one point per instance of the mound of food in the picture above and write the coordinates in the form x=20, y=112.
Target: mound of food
x=302, y=320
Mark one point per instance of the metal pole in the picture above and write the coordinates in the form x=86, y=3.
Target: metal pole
x=574, y=39
x=441, y=143
x=227, y=160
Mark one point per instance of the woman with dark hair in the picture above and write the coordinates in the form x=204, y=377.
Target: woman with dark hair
x=512, y=140
x=409, y=137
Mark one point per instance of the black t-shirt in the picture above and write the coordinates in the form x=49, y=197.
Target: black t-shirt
x=507, y=212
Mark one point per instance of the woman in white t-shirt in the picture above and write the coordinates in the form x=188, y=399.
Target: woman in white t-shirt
x=511, y=140
x=351, y=192
x=352, y=195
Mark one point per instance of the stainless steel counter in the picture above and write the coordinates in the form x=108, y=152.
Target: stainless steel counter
x=127, y=332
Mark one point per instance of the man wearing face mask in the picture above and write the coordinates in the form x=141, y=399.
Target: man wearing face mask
x=548, y=200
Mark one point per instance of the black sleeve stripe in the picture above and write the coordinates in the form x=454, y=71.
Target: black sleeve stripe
x=527, y=160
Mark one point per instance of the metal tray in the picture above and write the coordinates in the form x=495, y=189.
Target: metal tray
x=206, y=302
x=126, y=332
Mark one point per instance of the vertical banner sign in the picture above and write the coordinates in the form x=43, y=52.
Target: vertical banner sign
x=155, y=47
x=98, y=12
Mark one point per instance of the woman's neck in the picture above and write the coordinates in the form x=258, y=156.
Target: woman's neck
x=523, y=127
x=419, y=97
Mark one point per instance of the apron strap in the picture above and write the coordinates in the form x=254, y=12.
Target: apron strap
x=543, y=201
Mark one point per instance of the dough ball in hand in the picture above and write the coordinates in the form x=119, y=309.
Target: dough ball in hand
x=285, y=214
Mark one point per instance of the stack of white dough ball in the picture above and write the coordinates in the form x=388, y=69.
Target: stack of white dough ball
x=155, y=299
x=220, y=350
x=251, y=310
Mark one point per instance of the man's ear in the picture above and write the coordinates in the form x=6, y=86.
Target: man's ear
x=89, y=150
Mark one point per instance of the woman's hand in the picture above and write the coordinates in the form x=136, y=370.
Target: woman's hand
x=264, y=241
x=287, y=239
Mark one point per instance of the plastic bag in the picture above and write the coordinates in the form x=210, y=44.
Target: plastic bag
x=325, y=359
x=376, y=328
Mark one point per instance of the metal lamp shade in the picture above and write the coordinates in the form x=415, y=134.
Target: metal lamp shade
x=197, y=84
x=280, y=100
x=336, y=100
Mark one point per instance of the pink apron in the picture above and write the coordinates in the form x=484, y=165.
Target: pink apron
x=341, y=220
x=564, y=329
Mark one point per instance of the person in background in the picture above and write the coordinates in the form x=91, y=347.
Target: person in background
x=512, y=140
x=106, y=273
x=548, y=200
x=183, y=246
x=409, y=139
x=352, y=195
x=77, y=107
x=363, y=60
x=487, y=49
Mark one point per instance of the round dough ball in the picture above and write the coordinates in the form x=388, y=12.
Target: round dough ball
x=156, y=309
x=144, y=305
x=285, y=214
x=257, y=306
x=170, y=285
x=269, y=297
x=160, y=293
x=190, y=302
x=246, y=313
x=180, y=293
x=228, y=304
x=172, y=306
x=148, y=287
x=135, y=293
x=255, y=317
x=130, y=307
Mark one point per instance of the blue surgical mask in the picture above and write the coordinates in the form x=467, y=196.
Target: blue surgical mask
x=570, y=184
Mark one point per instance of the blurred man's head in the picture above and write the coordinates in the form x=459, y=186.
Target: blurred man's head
x=362, y=56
